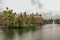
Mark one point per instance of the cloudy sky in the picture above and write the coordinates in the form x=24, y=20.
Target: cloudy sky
x=31, y=5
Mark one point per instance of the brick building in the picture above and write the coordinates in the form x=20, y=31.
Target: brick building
x=1, y=19
x=38, y=18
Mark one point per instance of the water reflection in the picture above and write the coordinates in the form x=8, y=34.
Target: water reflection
x=13, y=34
x=47, y=32
x=9, y=34
x=22, y=30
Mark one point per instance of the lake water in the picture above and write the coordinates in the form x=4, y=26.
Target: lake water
x=47, y=32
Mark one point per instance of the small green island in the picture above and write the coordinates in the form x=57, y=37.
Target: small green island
x=11, y=19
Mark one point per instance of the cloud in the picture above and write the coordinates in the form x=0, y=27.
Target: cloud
x=33, y=2
x=0, y=5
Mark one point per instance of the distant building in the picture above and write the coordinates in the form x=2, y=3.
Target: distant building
x=57, y=21
x=1, y=19
x=38, y=18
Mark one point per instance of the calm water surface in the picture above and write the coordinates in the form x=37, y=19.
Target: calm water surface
x=47, y=32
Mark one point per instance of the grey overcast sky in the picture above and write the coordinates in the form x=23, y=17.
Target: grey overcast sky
x=31, y=5
x=26, y=5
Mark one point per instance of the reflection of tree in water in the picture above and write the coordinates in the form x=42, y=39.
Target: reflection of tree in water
x=22, y=30
x=25, y=30
x=33, y=29
x=9, y=34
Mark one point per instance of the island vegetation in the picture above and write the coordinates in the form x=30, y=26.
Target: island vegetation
x=22, y=20
x=12, y=19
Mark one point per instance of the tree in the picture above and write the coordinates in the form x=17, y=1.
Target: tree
x=19, y=20
x=8, y=17
x=32, y=21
